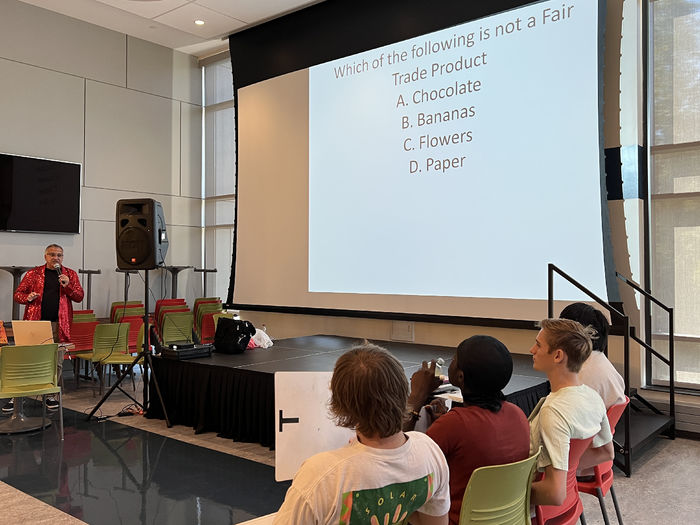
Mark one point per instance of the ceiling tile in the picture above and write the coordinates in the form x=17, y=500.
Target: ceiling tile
x=146, y=8
x=215, y=24
x=252, y=11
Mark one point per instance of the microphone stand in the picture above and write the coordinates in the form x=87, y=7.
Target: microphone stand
x=147, y=360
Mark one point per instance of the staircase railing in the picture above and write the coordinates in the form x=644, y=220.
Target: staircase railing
x=670, y=361
x=622, y=448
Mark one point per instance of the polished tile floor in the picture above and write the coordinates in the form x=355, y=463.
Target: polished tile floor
x=105, y=472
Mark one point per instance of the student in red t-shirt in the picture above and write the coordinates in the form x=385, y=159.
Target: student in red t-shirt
x=487, y=430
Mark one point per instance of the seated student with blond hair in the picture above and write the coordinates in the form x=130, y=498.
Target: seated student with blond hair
x=386, y=476
x=571, y=411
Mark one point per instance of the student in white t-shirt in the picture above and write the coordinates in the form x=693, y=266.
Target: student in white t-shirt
x=386, y=475
x=572, y=411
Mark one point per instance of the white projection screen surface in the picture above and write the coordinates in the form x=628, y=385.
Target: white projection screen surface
x=437, y=175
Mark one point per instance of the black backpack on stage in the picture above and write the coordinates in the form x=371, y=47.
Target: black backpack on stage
x=232, y=335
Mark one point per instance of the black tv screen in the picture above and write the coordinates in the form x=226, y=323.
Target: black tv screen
x=38, y=195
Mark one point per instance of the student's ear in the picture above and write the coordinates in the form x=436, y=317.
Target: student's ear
x=559, y=356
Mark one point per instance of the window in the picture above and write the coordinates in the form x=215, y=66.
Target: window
x=219, y=174
x=675, y=183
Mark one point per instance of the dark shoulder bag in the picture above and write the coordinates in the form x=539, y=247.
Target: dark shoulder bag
x=232, y=335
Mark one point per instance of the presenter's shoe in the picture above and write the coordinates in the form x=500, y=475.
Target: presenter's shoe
x=8, y=408
x=51, y=403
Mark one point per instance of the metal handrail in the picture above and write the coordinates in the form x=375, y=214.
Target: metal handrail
x=670, y=362
x=551, y=269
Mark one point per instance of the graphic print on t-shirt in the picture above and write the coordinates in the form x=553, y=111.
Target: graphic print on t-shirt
x=391, y=504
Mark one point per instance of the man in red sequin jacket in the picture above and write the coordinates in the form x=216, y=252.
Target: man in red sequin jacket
x=48, y=290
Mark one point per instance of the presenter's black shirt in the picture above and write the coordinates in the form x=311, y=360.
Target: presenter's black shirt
x=49, y=299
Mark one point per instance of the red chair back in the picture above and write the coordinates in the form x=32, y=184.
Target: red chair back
x=207, y=333
x=568, y=512
x=603, y=473
x=135, y=324
x=81, y=335
x=124, y=307
x=168, y=302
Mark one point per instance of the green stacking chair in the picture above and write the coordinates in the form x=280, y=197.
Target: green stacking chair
x=499, y=494
x=84, y=318
x=205, y=300
x=177, y=326
x=110, y=347
x=122, y=304
x=202, y=310
x=31, y=371
x=119, y=313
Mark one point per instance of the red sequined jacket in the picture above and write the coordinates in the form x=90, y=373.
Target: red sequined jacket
x=33, y=281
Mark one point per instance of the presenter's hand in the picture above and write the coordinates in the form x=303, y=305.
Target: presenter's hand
x=63, y=279
x=32, y=296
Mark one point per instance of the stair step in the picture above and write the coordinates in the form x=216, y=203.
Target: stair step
x=644, y=427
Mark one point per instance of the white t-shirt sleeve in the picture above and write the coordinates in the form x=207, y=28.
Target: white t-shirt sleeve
x=295, y=510
x=555, y=435
x=439, y=503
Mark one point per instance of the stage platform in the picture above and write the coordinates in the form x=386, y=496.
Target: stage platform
x=234, y=395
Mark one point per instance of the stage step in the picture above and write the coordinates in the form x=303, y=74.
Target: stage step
x=646, y=426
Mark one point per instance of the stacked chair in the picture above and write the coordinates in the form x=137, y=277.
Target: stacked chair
x=121, y=309
x=204, y=310
x=82, y=334
x=110, y=346
x=174, y=321
x=83, y=316
x=102, y=345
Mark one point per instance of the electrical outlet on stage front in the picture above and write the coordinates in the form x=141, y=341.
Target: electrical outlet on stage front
x=402, y=331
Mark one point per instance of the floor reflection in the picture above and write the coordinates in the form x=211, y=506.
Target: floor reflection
x=106, y=473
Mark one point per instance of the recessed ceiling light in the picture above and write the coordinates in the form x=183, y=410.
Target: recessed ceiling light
x=199, y=22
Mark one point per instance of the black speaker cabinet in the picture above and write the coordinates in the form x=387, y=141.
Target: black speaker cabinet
x=141, y=237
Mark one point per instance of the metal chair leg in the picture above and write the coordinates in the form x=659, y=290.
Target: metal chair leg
x=60, y=411
x=43, y=411
x=601, y=500
x=583, y=519
x=617, y=507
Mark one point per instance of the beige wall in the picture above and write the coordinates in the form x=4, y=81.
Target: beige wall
x=130, y=112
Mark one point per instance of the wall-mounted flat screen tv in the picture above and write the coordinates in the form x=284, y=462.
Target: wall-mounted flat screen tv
x=39, y=195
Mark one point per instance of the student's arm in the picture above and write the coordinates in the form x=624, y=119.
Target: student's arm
x=423, y=382
x=551, y=490
x=418, y=518
x=595, y=456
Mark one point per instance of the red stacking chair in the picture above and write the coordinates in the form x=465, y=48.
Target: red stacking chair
x=78, y=312
x=135, y=322
x=166, y=302
x=81, y=335
x=568, y=512
x=602, y=481
x=207, y=330
x=125, y=307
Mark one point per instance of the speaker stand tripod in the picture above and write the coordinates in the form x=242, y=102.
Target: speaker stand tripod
x=147, y=359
